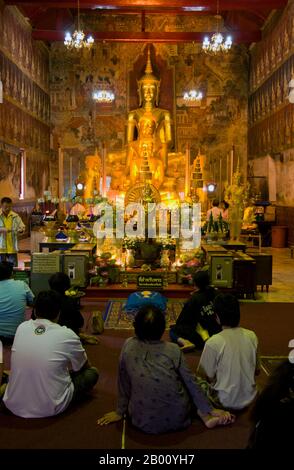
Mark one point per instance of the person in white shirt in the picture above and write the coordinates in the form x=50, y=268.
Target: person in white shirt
x=49, y=366
x=215, y=211
x=229, y=361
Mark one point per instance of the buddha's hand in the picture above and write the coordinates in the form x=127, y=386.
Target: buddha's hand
x=217, y=418
x=108, y=418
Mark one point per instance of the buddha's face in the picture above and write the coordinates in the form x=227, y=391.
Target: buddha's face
x=149, y=92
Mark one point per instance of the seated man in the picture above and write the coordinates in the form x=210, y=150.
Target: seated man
x=49, y=366
x=14, y=297
x=197, y=321
x=70, y=315
x=229, y=360
x=155, y=386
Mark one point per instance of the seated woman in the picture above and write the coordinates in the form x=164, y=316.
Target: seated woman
x=197, y=321
x=155, y=386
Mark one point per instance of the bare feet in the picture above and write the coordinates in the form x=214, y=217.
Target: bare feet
x=108, y=418
x=185, y=345
x=217, y=418
x=88, y=339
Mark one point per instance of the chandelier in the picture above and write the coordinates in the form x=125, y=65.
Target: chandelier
x=217, y=42
x=103, y=96
x=193, y=95
x=78, y=40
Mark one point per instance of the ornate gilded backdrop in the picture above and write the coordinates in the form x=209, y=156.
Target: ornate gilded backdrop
x=213, y=125
x=25, y=112
x=271, y=116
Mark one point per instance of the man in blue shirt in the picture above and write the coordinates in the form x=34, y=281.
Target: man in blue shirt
x=14, y=297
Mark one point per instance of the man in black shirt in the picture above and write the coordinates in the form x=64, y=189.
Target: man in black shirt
x=197, y=321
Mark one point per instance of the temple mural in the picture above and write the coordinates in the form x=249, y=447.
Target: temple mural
x=209, y=127
x=25, y=111
x=271, y=116
x=10, y=165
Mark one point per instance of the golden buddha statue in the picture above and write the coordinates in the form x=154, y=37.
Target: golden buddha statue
x=146, y=158
x=92, y=175
x=148, y=130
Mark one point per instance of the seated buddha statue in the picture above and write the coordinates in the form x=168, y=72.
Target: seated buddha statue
x=148, y=127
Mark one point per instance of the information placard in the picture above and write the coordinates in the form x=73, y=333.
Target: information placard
x=150, y=281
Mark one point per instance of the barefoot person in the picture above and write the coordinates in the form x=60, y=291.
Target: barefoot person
x=155, y=387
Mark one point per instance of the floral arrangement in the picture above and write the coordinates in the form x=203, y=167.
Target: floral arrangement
x=189, y=264
x=132, y=243
x=105, y=271
x=167, y=243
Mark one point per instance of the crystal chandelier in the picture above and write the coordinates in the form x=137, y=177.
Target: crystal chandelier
x=78, y=40
x=217, y=42
x=103, y=96
x=193, y=95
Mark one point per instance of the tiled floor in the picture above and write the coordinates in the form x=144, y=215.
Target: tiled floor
x=282, y=289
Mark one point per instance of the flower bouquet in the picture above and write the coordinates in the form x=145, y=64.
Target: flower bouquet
x=105, y=271
x=190, y=264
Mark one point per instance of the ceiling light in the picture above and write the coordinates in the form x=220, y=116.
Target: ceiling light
x=217, y=42
x=78, y=40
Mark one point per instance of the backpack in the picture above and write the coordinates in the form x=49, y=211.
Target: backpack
x=97, y=323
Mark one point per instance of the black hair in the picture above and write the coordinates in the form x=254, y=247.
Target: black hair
x=6, y=270
x=227, y=307
x=279, y=386
x=226, y=204
x=7, y=200
x=59, y=282
x=215, y=203
x=47, y=305
x=201, y=279
x=149, y=323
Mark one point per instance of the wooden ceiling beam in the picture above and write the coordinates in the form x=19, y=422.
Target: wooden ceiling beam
x=163, y=37
x=184, y=5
